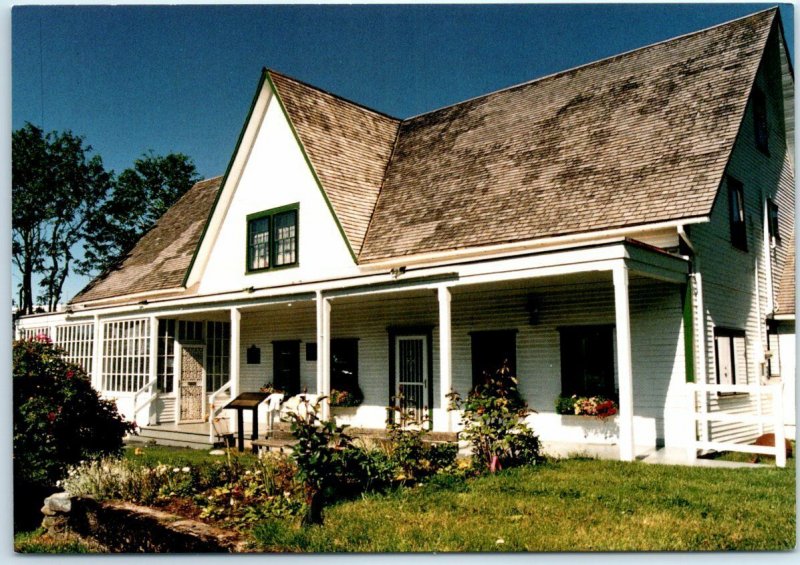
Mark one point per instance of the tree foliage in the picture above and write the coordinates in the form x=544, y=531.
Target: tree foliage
x=59, y=419
x=57, y=188
x=141, y=195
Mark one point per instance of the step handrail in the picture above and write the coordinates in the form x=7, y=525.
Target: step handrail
x=136, y=406
x=212, y=412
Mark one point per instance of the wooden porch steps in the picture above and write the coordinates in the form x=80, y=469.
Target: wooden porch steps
x=162, y=435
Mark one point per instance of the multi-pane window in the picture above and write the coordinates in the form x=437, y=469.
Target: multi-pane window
x=258, y=249
x=272, y=239
x=218, y=351
x=166, y=355
x=772, y=220
x=78, y=341
x=30, y=333
x=190, y=331
x=126, y=355
x=737, y=215
x=760, y=120
x=730, y=356
x=344, y=364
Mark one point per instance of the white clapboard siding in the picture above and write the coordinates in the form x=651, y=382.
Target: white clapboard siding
x=656, y=320
x=730, y=296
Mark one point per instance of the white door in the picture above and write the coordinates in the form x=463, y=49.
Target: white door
x=192, y=383
x=411, y=370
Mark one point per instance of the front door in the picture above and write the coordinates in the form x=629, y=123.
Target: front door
x=411, y=369
x=286, y=366
x=192, y=383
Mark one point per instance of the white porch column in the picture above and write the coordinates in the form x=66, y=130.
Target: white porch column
x=445, y=354
x=97, y=355
x=324, y=351
x=233, y=370
x=625, y=371
x=153, y=373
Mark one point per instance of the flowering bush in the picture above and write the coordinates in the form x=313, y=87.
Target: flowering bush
x=59, y=419
x=586, y=406
x=493, y=420
x=346, y=398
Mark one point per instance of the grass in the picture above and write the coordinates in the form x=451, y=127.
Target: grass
x=569, y=505
x=153, y=455
x=39, y=541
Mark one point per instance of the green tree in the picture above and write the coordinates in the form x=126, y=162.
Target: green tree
x=140, y=197
x=57, y=188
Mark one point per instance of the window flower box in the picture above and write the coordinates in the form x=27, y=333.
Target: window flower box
x=596, y=406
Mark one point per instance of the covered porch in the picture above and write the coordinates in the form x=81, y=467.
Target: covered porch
x=612, y=313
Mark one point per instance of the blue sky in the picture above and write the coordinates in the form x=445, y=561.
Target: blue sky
x=137, y=78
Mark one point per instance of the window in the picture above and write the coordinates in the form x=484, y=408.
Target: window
x=760, y=120
x=218, y=351
x=190, y=331
x=730, y=356
x=490, y=349
x=166, y=355
x=772, y=220
x=78, y=341
x=126, y=355
x=587, y=361
x=344, y=365
x=737, y=216
x=272, y=239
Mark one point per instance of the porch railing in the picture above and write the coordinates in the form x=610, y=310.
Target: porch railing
x=138, y=407
x=775, y=390
x=212, y=412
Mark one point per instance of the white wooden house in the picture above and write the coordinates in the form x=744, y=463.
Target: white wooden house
x=622, y=228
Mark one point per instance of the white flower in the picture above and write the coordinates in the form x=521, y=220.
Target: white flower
x=185, y=469
x=500, y=541
x=175, y=470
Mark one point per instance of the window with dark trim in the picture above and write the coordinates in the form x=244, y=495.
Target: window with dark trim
x=760, y=124
x=772, y=220
x=587, y=361
x=737, y=215
x=344, y=365
x=730, y=356
x=272, y=239
x=165, y=368
x=490, y=350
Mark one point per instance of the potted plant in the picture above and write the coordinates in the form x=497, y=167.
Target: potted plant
x=344, y=403
x=597, y=406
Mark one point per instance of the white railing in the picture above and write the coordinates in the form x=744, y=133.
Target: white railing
x=759, y=418
x=136, y=406
x=212, y=412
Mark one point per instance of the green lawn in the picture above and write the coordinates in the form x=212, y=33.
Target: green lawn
x=570, y=505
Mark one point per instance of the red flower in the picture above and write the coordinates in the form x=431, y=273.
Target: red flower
x=70, y=374
x=51, y=416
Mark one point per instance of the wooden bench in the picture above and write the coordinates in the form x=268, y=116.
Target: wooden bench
x=269, y=444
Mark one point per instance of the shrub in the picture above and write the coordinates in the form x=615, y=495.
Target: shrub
x=315, y=455
x=410, y=453
x=59, y=419
x=493, y=421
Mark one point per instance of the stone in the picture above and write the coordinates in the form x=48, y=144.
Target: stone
x=59, y=502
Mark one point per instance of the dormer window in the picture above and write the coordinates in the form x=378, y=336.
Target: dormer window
x=760, y=120
x=272, y=239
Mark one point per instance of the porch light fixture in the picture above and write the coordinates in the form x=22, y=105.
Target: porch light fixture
x=248, y=289
x=397, y=271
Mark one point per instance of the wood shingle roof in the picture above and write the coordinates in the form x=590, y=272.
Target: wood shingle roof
x=160, y=259
x=638, y=138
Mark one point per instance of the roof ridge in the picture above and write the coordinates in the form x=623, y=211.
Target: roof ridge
x=589, y=64
x=334, y=95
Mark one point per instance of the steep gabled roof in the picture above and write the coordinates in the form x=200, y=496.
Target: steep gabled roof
x=348, y=146
x=637, y=138
x=160, y=259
